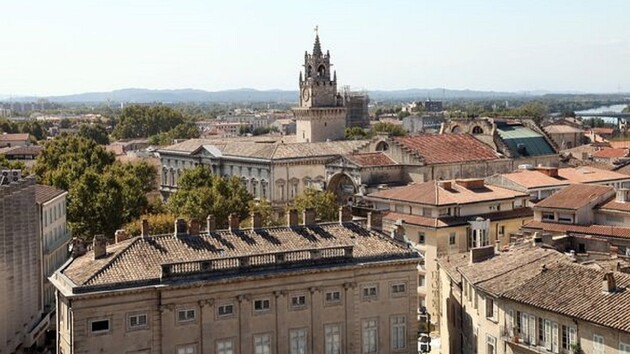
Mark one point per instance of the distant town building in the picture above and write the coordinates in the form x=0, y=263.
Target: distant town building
x=566, y=136
x=21, y=303
x=321, y=115
x=356, y=104
x=310, y=288
x=422, y=123
x=432, y=106
x=286, y=126
x=12, y=140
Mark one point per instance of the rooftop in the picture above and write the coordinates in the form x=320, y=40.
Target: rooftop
x=152, y=259
x=575, y=196
x=24, y=150
x=449, y=221
x=14, y=137
x=371, y=159
x=594, y=230
x=44, y=193
x=570, y=175
x=447, y=148
x=562, y=129
x=523, y=141
x=439, y=193
x=611, y=153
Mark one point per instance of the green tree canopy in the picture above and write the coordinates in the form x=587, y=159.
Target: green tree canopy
x=390, y=128
x=182, y=131
x=325, y=204
x=95, y=132
x=355, y=133
x=140, y=121
x=201, y=193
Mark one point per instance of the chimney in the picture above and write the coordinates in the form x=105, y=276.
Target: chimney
x=292, y=218
x=194, y=228
x=99, y=244
x=233, y=222
x=548, y=171
x=256, y=220
x=398, y=231
x=309, y=216
x=623, y=195
x=211, y=224
x=121, y=235
x=144, y=228
x=609, y=285
x=345, y=214
x=78, y=247
x=471, y=183
x=446, y=185
x=480, y=254
x=375, y=220
x=180, y=228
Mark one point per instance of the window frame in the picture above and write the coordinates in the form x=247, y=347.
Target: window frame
x=262, y=337
x=369, y=297
x=226, y=315
x=393, y=327
x=452, y=239
x=300, y=334
x=131, y=327
x=365, y=338
x=102, y=331
x=230, y=340
x=330, y=341
x=332, y=302
x=186, y=320
x=262, y=310
x=294, y=306
x=393, y=289
x=193, y=346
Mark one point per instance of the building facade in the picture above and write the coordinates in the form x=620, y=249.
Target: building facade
x=321, y=115
x=312, y=288
x=21, y=320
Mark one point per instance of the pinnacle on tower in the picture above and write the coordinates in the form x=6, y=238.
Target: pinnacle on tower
x=317, y=48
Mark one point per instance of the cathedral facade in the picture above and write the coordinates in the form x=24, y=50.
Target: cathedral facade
x=321, y=115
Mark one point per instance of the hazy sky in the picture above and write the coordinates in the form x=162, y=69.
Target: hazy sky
x=65, y=46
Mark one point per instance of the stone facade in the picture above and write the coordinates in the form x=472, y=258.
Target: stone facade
x=20, y=273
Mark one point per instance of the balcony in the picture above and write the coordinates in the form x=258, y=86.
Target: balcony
x=512, y=337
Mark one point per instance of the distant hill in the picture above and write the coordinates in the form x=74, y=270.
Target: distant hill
x=136, y=95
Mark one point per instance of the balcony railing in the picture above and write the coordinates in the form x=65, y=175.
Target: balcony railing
x=511, y=335
x=262, y=261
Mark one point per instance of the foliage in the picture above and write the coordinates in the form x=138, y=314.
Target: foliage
x=182, y=131
x=13, y=165
x=262, y=206
x=597, y=122
x=201, y=193
x=95, y=132
x=34, y=128
x=403, y=114
x=139, y=121
x=355, y=133
x=390, y=128
x=626, y=110
x=325, y=203
x=162, y=223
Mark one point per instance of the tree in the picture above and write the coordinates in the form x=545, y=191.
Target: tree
x=182, y=131
x=161, y=223
x=355, y=133
x=94, y=132
x=325, y=203
x=201, y=193
x=534, y=110
x=262, y=206
x=390, y=128
x=138, y=121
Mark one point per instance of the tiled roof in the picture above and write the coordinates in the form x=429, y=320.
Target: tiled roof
x=44, y=193
x=576, y=291
x=447, y=148
x=562, y=129
x=594, y=230
x=589, y=174
x=139, y=260
x=515, y=135
x=371, y=159
x=14, y=137
x=534, y=179
x=602, y=130
x=613, y=204
x=432, y=194
x=450, y=221
x=24, y=150
x=575, y=196
x=620, y=144
x=611, y=153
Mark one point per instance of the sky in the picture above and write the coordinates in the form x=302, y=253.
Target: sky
x=73, y=46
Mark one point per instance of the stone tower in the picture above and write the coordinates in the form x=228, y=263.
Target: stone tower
x=321, y=115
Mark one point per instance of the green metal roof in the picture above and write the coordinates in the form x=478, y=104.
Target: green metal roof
x=518, y=135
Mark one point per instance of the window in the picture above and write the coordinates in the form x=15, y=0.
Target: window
x=370, y=336
x=569, y=337
x=262, y=344
x=225, y=346
x=445, y=211
x=624, y=348
x=426, y=212
x=399, y=289
x=298, y=301
x=422, y=280
x=548, y=217
x=452, y=238
x=490, y=308
x=138, y=321
x=186, y=349
x=185, y=315
x=495, y=207
x=566, y=218
x=421, y=237
x=370, y=292
x=297, y=339
x=99, y=326
x=614, y=218
x=262, y=305
x=333, y=297
x=492, y=345
x=332, y=339
x=501, y=230
x=398, y=332
x=598, y=344
x=225, y=310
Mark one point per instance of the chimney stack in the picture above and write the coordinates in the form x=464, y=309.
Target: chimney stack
x=623, y=195
x=345, y=214
x=375, y=220
x=211, y=224
x=78, y=247
x=309, y=216
x=144, y=229
x=180, y=228
x=121, y=235
x=99, y=244
x=292, y=218
x=398, y=232
x=233, y=222
x=194, y=228
x=256, y=220
x=609, y=285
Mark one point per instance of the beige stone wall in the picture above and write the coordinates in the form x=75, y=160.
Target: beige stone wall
x=165, y=334
x=320, y=124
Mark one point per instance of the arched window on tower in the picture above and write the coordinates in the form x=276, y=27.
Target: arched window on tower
x=321, y=71
x=382, y=146
x=309, y=71
x=477, y=130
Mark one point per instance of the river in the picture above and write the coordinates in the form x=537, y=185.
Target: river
x=615, y=108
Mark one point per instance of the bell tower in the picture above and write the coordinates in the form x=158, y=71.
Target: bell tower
x=320, y=115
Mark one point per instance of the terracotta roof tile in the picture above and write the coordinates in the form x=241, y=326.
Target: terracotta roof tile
x=44, y=193
x=611, y=153
x=371, y=159
x=447, y=148
x=594, y=230
x=589, y=174
x=615, y=205
x=450, y=221
x=14, y=137
x=575, y=196
x=24, y=150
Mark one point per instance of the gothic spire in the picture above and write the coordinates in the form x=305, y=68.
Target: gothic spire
x=317, y=48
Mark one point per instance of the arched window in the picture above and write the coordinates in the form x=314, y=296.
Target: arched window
x=309, y=71
x=382, y=146
x=477, y=130
x=321, y=71
x=456, y=129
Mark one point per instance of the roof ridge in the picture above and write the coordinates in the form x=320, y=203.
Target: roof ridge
x=111, y=261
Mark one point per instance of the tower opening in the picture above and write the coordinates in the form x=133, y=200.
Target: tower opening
x=321, y=71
